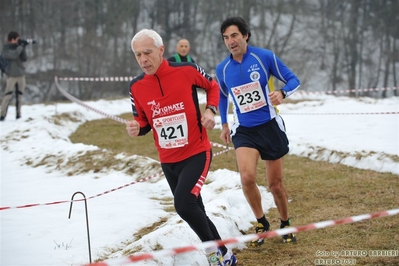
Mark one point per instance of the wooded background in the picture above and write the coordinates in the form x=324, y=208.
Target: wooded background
x=329, y=44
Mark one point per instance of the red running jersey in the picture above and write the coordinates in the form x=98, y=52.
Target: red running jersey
x=167, y=104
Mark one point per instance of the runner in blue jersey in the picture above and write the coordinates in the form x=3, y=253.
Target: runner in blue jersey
x=258, y=130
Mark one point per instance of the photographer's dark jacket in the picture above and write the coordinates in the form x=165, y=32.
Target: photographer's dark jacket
x=16, y=55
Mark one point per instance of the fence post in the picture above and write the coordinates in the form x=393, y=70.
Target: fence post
x=87, y=219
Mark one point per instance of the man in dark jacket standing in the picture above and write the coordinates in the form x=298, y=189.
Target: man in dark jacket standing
x=182, y=49
x=14, y=52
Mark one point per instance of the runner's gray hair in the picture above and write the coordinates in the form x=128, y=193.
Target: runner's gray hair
x=148, y=33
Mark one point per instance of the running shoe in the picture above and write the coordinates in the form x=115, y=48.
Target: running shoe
x=215, y=258
x=259, y=229
x=288, y=238
x=229, y=259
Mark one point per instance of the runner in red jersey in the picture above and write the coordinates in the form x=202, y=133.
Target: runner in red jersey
x=164, y=99
x=167, y=103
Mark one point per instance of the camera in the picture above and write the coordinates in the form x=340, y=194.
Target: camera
x=25, y=42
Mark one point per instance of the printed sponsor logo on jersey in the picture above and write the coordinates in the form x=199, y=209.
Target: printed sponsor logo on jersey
x=236, y=91
x=245, y=87
x=253, y=68
x=254, y=76
x=157, y=110
x=158, y=123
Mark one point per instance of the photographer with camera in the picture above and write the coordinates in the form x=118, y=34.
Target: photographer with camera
x=14, y=52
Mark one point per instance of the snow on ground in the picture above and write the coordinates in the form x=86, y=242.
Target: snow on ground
x=35, y=168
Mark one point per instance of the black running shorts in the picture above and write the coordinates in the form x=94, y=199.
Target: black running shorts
x=269, y=139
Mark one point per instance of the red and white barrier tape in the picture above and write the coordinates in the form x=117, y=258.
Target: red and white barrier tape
x=104, y=79
x=220, y=152
x=91, y=197
x=241, y=239
x=226, y=148
x=126, y=78
x=118, y=119
x=222, y=146
x=2, y=208
x=73, y=99
x=348, y=91
x=367, y=113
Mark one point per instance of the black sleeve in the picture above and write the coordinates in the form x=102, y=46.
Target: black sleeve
x=144, y=130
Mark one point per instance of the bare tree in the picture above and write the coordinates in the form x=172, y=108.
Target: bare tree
x=330, y=44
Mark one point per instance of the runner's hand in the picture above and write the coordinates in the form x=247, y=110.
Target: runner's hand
x=208, y=119
x=225, y=135
x=276, y=97
x=133, y=128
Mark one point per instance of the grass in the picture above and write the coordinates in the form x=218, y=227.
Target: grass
x=317, y=190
